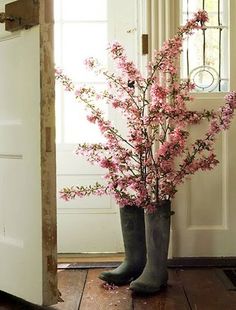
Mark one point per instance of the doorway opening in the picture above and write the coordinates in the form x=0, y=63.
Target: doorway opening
x=84, y=29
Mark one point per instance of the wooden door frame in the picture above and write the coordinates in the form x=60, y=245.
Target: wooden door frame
x=48, y=153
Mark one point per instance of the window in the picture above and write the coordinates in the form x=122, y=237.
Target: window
x=205, y=55
x=80, y=32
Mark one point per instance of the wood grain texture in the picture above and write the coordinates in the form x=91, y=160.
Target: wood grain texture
x=96, y=297
x=70, y=284
x=205, y=291
x=196, y=289
x=48, y=156
x=171, y=298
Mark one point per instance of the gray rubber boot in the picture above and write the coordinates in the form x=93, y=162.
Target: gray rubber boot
x=133, y=231
x=155, y=274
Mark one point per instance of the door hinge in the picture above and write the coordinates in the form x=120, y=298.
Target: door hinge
x=144, y=44
x=21, y=14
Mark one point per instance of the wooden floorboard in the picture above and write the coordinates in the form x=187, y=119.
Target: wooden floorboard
x=71, y=285
x=205, y=290
x=195, y=289
x=173, y=297
x=96, y=297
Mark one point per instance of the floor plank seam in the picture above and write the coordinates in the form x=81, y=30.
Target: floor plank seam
x=184, y=290
x=85, y=281
x=186, y=296
x=132, y=302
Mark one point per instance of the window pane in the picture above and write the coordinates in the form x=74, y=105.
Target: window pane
x=57, y=10
x=57, y=44
x=77, y=128
x=211, y=6
x=80, y=32
x=80, y=41
x=188, y=8
x=58, y=106
x=84, y=9
x=205, y=54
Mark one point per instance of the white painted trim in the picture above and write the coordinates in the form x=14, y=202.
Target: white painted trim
x=232, y=44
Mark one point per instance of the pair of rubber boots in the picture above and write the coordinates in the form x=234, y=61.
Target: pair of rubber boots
x=146, y=241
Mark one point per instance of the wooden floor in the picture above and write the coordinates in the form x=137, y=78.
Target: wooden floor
x=196, y=289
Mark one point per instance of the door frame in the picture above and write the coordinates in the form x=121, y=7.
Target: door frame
x=48, y=153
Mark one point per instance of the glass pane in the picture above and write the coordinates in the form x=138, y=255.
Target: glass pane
x=57, y=44
x=212, y=48
x=225, y=57
x=194, y=48
x=84, y=10
x=57, y=10
x=80, y=32
x=190, y=7
x=58, y=107
x=80, y=41
x=77, y=128
x=205, y=54
x=213, y=19
x=211, y=5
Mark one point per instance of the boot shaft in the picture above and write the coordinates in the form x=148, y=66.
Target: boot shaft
x=133, y=231
x=155, y=274
x=157, y=226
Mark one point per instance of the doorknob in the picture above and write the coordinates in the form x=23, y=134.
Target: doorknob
x=21, y=14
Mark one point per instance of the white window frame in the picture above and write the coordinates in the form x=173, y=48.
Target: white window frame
x=161, y=22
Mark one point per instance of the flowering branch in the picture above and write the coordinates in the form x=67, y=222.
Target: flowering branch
x=157, y=114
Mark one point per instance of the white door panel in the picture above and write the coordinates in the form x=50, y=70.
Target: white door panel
x=204, y=223
x=205, y=219
x=21, y=242
x=20, y=198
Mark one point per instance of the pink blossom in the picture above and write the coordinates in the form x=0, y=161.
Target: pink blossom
x=116, y=49
x=129, y=70
x=116, y=103
x=201, y=16
x=106, y=163
x=58, y=71
x=91, y=118
x=90, y=63
x=158, y=92
x=158, y=116
x=231, y=99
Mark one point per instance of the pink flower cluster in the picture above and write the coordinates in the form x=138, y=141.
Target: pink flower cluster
x=146, y=166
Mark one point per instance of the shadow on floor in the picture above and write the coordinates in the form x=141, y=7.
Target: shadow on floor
x=9, y=302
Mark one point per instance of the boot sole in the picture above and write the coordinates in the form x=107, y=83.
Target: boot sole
x=119, y=283
x=141, y=290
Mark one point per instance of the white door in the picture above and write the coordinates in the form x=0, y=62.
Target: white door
x=205, y=219
x=204, y=223
x=83, y=29
x=22, y=245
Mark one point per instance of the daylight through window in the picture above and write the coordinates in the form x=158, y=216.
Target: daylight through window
x=80, y=32
x=205, y=55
